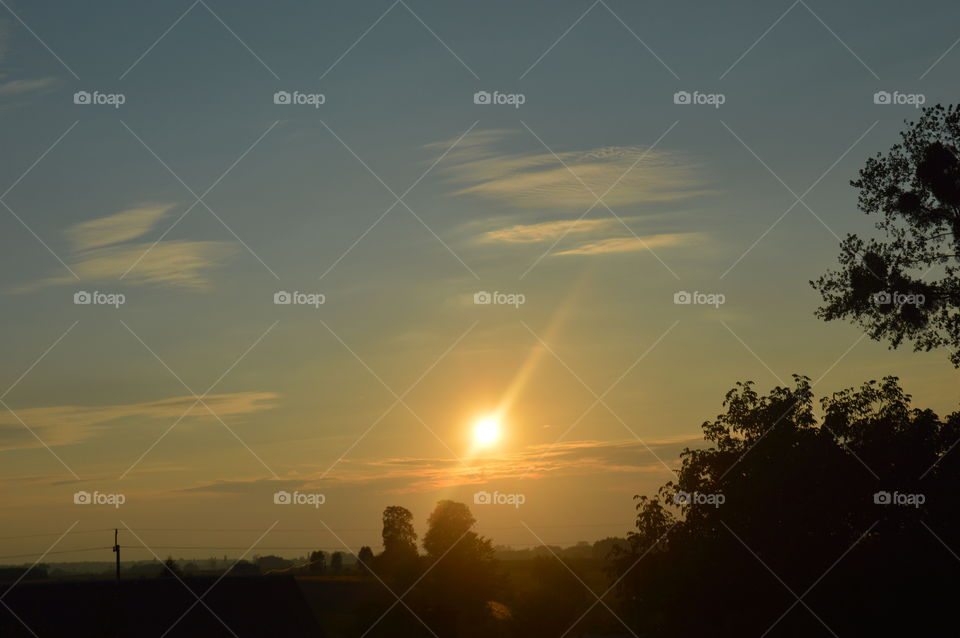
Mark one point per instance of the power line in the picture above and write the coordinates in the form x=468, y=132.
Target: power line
x=83, y=531
x=61, y=551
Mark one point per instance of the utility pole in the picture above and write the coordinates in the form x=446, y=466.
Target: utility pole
x=116, y=550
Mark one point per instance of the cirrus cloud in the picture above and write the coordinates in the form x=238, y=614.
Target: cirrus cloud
x=632, y=174
x=102, y=251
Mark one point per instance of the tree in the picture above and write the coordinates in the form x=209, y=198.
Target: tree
x=834, y=504
x=398, y=534
x=365, y=559
x=462, y=579
x=605, y=546
x=883, y=284
x=449, y=525
x=336, y=562
x=318, y=562
x=399, y=563
x=170, y=569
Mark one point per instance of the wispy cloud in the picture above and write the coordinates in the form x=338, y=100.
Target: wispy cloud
x=112, y=229
x=540, y=180
x=605, y=236
x=99, y=253
x=616, y=245
x=549, y=231
x=168, y=263
x=19, y=88
x=68, y=424
x=418, y=475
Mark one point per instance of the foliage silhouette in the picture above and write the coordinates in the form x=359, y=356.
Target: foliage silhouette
x=882, y=284
x=365, y=560
x=170, y=569
x=804, y=505
x=462, y=577
x=399, y=563
x=318, y=562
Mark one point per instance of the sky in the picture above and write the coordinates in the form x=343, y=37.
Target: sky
x=389, y=168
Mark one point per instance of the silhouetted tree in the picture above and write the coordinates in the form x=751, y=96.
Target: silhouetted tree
x=399, y=563
x=462, y=577
x=365, y=559
x=398, y=533
x=336, y=562
x=603, y=548
x=883, y=285
x=170, y=569
x=318, y=562
x=849, y=506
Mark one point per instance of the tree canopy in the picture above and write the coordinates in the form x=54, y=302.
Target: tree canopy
x=906, y=284
x=854, y=502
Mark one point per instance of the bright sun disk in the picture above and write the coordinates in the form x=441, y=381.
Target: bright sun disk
x=486, y=432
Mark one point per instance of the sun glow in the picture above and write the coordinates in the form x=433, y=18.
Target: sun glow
x=486, y=431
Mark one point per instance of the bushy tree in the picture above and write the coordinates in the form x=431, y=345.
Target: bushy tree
x=803, y=499
x=318, y=562
x=170, y=569
x=463, y=577
x=365, y=560
x=399, y=563
x=906, y=285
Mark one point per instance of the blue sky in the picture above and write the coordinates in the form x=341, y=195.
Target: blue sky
x=292, y=188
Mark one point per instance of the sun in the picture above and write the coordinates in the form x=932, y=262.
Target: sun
x=486, y=431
